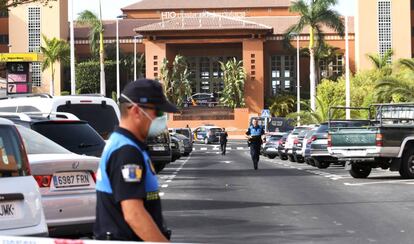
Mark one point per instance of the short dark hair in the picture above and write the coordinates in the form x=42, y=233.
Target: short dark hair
x=124, y=107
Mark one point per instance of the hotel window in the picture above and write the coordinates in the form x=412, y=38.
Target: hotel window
x=332, y=69
x=4, y=39
x=282, y=74
x=384, y=26
x=34, y=42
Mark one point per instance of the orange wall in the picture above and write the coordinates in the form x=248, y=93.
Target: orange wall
x=155, y=54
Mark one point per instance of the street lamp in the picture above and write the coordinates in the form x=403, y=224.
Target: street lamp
x=136, y=38
x=72, y=51
x=347, y=75
x=118, y=82
x=297, y=75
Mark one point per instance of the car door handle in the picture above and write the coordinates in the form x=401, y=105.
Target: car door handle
x=11, y=197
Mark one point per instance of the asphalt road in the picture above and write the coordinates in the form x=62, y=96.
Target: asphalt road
x=210, y=198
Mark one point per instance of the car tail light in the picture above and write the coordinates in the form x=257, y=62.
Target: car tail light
x=43, y=180
x=379, y=140
x=312, y=139
x=329, y=140
x=86, y=101
x=93, y=176
x=296, y=141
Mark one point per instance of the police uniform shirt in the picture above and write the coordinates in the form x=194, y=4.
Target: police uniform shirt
x=130, y=177
x=256, y=132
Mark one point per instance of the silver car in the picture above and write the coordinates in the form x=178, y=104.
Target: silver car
x=21, y=211
x=67, y=184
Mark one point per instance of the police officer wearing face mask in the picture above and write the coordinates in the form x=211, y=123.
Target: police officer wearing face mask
x=128, y=202
x=255, y=133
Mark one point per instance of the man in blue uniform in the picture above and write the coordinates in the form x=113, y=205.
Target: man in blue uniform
x=128, y=204
x=254, y=133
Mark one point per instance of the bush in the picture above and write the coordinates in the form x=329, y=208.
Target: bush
x=88, y=77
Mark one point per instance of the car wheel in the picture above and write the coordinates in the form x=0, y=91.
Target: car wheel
x=159, y=167
x=360, y=172
x=321, y=164
x=206, y=141
x=272, y=156
x=291, y=158
x=407, y=164
x=300, y=160
x=186, y=154
x=283, y=157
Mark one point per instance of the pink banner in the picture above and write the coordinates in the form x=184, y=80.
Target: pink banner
x=17, y=78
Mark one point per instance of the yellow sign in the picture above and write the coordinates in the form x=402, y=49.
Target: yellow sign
x=21, y=57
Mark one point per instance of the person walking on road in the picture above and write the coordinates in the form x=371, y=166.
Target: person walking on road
x=128, y=202
x=254, y=133
x=223, y=141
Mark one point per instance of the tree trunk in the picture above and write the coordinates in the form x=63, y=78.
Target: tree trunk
x=102, y=62
x=52, y=82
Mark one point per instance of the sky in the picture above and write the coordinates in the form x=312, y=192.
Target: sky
x=112, y=8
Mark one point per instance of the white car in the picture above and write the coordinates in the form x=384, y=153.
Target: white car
x=100, y=112
x=67, y=184
x=21, y=211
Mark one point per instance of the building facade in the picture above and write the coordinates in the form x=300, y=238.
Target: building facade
x=27, y=24
x=381, y=25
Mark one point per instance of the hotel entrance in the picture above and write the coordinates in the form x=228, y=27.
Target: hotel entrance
x=206, y=75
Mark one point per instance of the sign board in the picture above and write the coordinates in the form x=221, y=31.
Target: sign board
x=266, y=113
x=18, y=78
x=20, y=57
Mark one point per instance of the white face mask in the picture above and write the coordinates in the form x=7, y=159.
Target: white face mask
x=158, y=125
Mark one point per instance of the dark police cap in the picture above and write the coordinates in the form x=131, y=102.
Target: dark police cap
x=146, y=91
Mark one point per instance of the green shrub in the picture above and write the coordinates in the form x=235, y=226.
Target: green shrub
x=88, y=77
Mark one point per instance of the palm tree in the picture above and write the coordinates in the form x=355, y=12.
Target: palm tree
x=382, y=62
x=282, y=105
x=314, y=15
x=55, y=50
x=234, y=77
x=398, y=88
x=96, y=33
x=176, y=80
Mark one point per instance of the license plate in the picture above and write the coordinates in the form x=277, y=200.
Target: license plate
x=158, y=148
x=71, y=179
x=10, y=210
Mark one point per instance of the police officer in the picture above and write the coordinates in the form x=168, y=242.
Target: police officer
x=223, y=141
x=128, y=202
x=254, y=133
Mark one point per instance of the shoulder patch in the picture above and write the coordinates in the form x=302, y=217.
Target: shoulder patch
x=132, y=173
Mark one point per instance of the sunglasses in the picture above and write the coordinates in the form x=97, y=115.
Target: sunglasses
x=158, y=113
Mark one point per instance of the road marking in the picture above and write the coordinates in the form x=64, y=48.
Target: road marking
x=240, y=148
x=168, y=181
x=203, y=149
x=164, y=186
x=161, y=194
x=379, y=182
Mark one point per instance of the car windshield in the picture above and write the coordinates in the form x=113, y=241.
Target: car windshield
x=76, y=136
x=216, y=130
x=162, y=138
x=35, y=143
x=184, y=132
x=275, y=138
x=102, y=118
x=12, y=158
x=298, y=130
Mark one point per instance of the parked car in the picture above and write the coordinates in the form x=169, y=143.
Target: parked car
x=21, y=209
x=207, y=134
x=291, y=139
x=319, y=147
x=306, y=146
x=159, y=149
x=187, y=145
x=298, y=145
x=100, y=112
x=176, y=146
x=183, y=131
x=270, y=147
x=75, y=135
x=281, y=147
x=67, y=184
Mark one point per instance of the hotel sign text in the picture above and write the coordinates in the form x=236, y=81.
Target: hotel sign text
x=173, y=15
